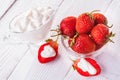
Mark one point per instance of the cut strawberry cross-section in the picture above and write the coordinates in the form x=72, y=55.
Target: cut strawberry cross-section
x=48, y=51
x=87, y=67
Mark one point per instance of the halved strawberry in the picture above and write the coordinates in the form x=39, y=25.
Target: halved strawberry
x=87, y=67
x=51, y=47
x=67, y=26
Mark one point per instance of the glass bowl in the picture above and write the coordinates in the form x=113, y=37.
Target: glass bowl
x=35, y=35
x=74, y=55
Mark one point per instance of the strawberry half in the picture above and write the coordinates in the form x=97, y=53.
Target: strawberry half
x=67, y=26
x=87, y=67
x=51, y=47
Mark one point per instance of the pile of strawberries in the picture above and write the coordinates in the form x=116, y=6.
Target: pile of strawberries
x=87, y=33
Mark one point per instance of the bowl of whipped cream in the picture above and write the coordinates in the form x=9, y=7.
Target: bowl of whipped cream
x=32, y=25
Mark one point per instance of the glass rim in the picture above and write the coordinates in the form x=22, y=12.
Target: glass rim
x=65, y=45
x=51, y=17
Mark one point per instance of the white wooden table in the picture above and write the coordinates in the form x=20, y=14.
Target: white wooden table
x=17, y=62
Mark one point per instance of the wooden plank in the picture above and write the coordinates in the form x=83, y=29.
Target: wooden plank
x=5, y=6
x=29, y=68
x=10, y=56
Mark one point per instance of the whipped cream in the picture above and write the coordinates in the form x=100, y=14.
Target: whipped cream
x=31, y=20
x=86, y=66
x=48, y=52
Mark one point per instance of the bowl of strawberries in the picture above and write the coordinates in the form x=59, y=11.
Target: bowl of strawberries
x=85, y=35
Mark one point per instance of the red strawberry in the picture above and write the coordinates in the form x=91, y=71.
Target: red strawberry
x=99, y=18
x=53, y=46
x=83, y=44
x=84, y=23
x=100, y=34
x=87, y=67
x=67, y=26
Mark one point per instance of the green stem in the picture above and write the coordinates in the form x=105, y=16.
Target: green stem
x=55, y=35
x=94, y=11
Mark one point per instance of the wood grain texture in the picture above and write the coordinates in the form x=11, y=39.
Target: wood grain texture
x=10, y=56
x=30, y=69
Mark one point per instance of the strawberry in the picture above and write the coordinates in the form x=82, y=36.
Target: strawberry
x=82, y=44
x=87, y=67
x=67, y=26
x=100, y=34
x=99, y=18
x=53, y=47
x=84, y=23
